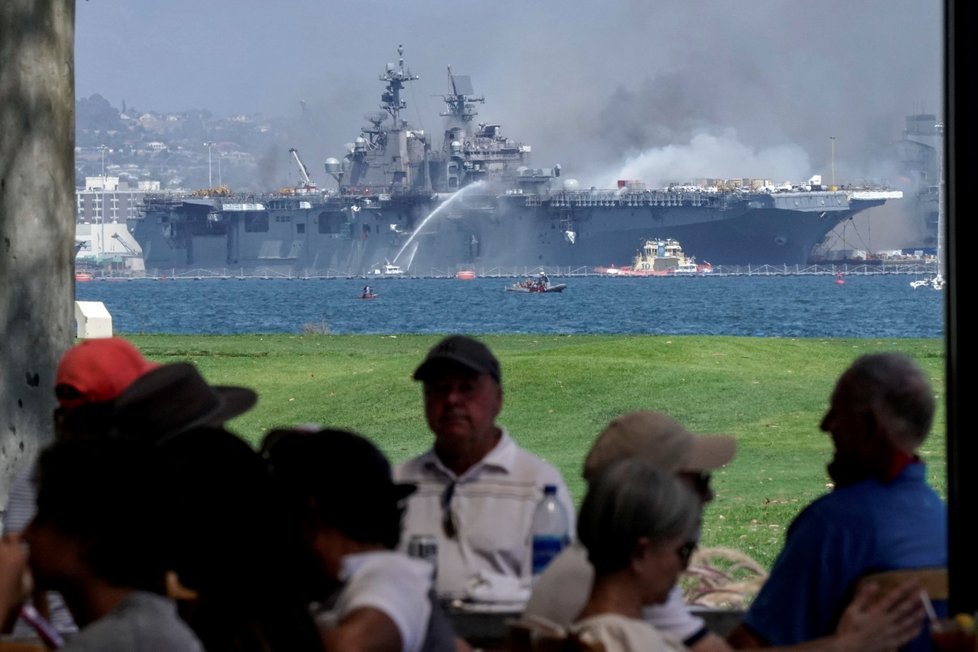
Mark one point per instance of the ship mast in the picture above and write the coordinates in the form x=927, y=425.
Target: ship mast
x=395, y=79
x=460, y=98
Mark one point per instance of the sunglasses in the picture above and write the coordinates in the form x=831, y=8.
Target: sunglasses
x=702, y=482
x=685, y=553
x=699, y=482
x=448, y=523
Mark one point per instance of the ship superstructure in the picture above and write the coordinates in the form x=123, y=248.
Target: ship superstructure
x=474, y=199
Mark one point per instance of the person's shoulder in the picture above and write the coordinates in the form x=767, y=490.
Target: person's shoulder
x=616, y=631
x=411, y=468
x=394, y=567
x=543, y=468
x=561, y=591
x=523, y=455
x=141, y=621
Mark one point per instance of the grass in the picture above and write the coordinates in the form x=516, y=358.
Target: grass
x=770, y=393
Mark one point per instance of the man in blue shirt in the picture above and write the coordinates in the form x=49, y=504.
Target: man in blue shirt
x=881, y=515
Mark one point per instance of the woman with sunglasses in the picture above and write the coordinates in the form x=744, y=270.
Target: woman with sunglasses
x=638, y=524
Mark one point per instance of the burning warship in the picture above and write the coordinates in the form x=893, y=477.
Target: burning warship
x=429, y=208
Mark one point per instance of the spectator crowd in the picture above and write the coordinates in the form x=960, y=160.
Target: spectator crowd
x=147, y=524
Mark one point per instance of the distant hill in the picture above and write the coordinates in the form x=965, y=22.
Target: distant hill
x=246, y=152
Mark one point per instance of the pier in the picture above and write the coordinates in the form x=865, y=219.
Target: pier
x=915, y=268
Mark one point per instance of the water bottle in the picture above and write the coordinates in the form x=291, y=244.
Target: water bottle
x=550, y=529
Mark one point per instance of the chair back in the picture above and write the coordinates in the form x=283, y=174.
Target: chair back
x=932, y=580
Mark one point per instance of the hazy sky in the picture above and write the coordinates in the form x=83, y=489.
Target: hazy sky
x=646, y=90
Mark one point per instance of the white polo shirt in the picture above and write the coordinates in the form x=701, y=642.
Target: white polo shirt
x=492, y=503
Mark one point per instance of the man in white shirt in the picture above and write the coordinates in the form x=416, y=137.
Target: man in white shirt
x=477, y=489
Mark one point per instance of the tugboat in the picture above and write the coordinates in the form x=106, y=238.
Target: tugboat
x=659, y=257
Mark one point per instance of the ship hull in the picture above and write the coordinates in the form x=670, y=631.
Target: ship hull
x=348, y=236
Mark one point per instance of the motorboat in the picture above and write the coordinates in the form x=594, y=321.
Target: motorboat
x=387, y=269
x=536, y=284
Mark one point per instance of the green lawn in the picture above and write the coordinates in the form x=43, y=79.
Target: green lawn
x=770, y=393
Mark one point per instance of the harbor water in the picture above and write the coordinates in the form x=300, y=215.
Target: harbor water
x=882, y=306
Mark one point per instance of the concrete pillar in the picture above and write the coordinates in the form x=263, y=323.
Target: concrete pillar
x=37, y=225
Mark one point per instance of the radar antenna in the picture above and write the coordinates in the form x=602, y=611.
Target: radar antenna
x=460, y=99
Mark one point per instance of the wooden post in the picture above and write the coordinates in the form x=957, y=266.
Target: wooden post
x=961, y=18
x=37, y=223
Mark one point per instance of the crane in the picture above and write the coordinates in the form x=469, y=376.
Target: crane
x=306, y=179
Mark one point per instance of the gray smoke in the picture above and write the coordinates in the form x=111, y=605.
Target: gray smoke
x=623, y=89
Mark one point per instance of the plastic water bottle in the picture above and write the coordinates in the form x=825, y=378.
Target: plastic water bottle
x=550, y=529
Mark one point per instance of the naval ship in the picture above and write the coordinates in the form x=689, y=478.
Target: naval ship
x=408, y=204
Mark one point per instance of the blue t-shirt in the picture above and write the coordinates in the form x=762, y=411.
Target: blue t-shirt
x=864, y=528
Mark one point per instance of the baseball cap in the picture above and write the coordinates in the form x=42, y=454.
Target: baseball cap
x=97, y=371
x=459, y=350
x=660, y=440
x=174, y=398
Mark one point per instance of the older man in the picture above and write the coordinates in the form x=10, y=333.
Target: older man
x=881, y=514
x=477, y=489
x=654, y=437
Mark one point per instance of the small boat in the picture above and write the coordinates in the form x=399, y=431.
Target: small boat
x=465, y=275
x=367, y=293
x=387, y=269
x=659, y=257
x=83, y=277
x=536, y=285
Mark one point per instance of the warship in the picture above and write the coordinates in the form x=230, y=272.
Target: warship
x=404, y=201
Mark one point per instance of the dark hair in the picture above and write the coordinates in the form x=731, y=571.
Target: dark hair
x=340, y=478
x=107, y=494
x=232, y=546
x=629, y=500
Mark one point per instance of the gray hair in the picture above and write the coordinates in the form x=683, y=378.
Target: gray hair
x=895, y=387
x=629, y=500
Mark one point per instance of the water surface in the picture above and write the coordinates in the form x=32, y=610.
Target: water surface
x=766, y=306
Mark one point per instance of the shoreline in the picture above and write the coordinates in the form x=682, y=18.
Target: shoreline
x=719, y=271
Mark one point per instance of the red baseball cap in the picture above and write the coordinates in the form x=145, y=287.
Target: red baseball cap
x=98, y=370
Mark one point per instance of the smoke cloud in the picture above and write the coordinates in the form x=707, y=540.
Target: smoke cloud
x=621, y=89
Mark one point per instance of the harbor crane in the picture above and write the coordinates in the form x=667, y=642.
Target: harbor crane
x=307, y=181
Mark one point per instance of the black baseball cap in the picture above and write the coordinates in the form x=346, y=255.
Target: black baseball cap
x=458, y=351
